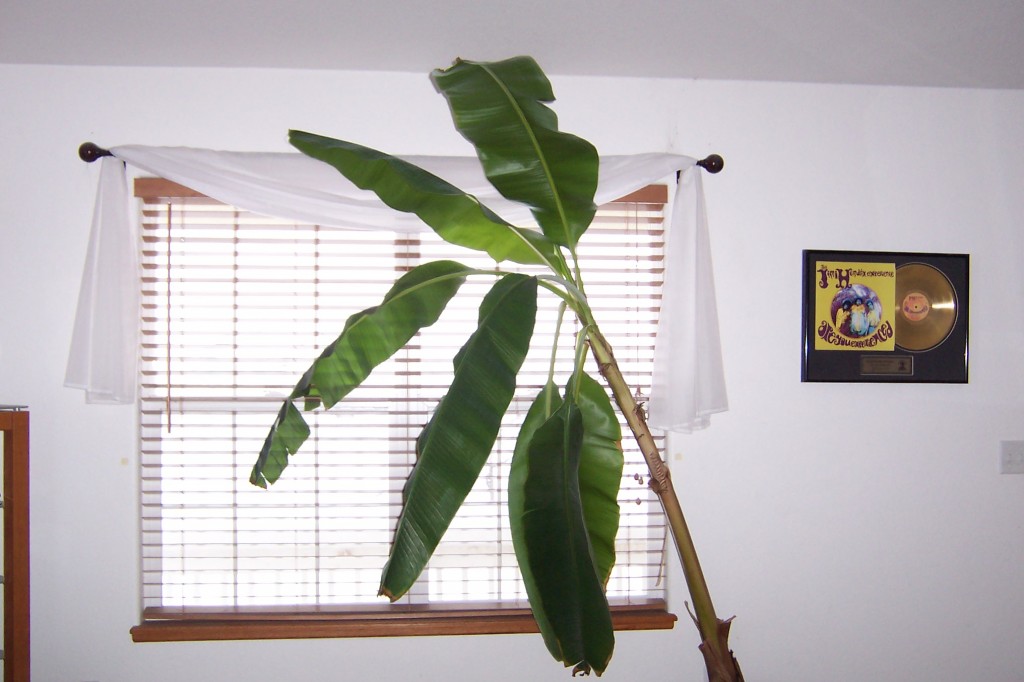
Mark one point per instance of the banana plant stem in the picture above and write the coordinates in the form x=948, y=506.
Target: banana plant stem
x=661, y=483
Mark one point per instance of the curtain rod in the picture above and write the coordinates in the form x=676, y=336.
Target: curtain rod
x=89, y=152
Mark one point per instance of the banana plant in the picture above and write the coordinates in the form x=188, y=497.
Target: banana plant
x=567, y=461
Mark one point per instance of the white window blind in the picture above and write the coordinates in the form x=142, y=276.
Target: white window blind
x=237, y=305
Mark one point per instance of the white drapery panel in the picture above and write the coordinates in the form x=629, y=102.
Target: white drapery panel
x=689, y=381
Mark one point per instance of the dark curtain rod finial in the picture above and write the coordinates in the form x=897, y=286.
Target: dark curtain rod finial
x=89, y=152
x=712, y=164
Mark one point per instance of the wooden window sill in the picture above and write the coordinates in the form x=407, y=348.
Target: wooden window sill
x=198, y=624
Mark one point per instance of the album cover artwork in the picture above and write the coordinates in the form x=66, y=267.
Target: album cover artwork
x=885, y=316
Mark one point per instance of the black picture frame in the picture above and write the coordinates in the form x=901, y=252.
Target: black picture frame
x=885, y=316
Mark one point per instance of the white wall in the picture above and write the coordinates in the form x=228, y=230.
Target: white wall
x=858, y=531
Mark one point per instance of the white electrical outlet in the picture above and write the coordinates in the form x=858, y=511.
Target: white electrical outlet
x=1011, y=457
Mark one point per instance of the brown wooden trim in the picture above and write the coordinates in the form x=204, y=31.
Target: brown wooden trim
x=161, y=188
x=14, y=426
x=178, y=625
x=651, y=194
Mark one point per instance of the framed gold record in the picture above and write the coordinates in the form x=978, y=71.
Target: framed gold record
x=926, y=307
x=885, y=316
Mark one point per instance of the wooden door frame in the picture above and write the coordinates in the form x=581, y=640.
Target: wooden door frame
x=14, y=424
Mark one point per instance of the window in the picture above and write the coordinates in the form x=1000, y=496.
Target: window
x=235, y=307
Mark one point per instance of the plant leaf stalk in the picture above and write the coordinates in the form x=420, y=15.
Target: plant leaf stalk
x=721, y=665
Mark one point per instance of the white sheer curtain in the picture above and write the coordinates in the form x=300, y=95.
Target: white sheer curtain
x=689, y=382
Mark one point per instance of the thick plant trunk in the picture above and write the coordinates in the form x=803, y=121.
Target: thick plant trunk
x=721, y=668
x=718, y=658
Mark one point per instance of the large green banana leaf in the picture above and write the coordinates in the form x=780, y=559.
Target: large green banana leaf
x=369, y=338
x=541, y=409
x=462, y=431
x=457, y=217
x=600, y=471
x=499, y=107
x=569, y=592
x=600, y=474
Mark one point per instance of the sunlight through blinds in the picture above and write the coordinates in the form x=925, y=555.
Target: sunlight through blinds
x=235, y=308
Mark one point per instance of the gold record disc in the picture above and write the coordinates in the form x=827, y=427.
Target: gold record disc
x=926, y=307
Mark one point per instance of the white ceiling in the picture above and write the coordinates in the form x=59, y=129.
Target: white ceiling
x=946, y=43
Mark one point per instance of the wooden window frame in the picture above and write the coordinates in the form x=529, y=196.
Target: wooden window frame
x=177, y=624
x=239, y=623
